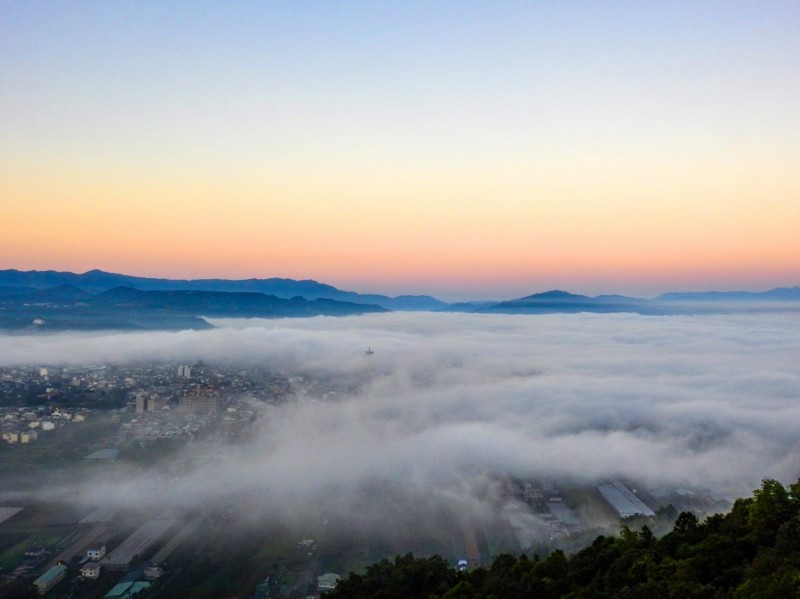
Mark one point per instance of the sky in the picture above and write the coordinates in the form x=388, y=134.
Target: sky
x=451, y=403
x=470, y=150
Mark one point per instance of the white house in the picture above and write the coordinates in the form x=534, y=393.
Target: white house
x=90, y=570
x=327, y=582
x=96, y=552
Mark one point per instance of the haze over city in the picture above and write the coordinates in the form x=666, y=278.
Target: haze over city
x=673, y=401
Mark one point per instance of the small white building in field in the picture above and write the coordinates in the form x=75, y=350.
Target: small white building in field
x=90, y=570
x=96, y=552
x=327, y=582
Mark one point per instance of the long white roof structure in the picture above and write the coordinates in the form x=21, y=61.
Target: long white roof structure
x=622, y=499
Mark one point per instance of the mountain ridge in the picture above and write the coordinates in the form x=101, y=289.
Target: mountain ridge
x=776, y=294
x=96, y=280
x=51, y=286
x=65, y=307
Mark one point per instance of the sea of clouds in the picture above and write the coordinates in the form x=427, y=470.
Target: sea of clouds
x=449, y=403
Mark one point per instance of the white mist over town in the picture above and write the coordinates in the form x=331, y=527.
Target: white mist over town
x=446, y=401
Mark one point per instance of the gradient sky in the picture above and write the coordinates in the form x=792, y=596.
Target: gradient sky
x=463, y=149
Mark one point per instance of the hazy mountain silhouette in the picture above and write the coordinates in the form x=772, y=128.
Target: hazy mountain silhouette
x=66, y=307
x=96, y=281
x=779, y=294
x=109, y=295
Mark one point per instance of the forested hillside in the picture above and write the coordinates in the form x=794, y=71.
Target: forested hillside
x=751, y=552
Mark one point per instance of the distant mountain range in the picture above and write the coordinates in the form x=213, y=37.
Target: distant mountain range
x=671, y=303
x=780, y=294
x=563, y=302
x=65, y=307
x=96, y=281
x=51, y=300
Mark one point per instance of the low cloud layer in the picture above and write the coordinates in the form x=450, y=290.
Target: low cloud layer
x=448, y=403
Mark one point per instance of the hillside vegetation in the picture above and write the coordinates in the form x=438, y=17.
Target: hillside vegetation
x=751, y=552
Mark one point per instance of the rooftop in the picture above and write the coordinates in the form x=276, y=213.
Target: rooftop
x=51, y=575
x=624, y=502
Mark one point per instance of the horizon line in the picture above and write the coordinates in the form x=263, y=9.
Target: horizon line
x=429, y=294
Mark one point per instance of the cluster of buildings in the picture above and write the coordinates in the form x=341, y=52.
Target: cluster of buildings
x=51, y=383
x=195, y=414
x=34, y=556
x=169, y=401
x=108, y=383
x=560, y=520
x=23, y=425
x=150, y=427
x=96, y=559
x=90, y=569
x=547, y=502
x=96, y=377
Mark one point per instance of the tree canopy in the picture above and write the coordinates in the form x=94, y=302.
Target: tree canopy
x=752, y=552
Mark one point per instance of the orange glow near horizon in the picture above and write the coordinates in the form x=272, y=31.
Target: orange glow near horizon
x=396, y=229
x=474, y=151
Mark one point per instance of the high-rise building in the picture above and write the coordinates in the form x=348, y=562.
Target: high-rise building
x=200, y=401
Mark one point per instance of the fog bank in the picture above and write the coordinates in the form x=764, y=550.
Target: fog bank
x=450, y=403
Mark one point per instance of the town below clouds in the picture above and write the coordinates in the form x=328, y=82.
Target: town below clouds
x=447, y=402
